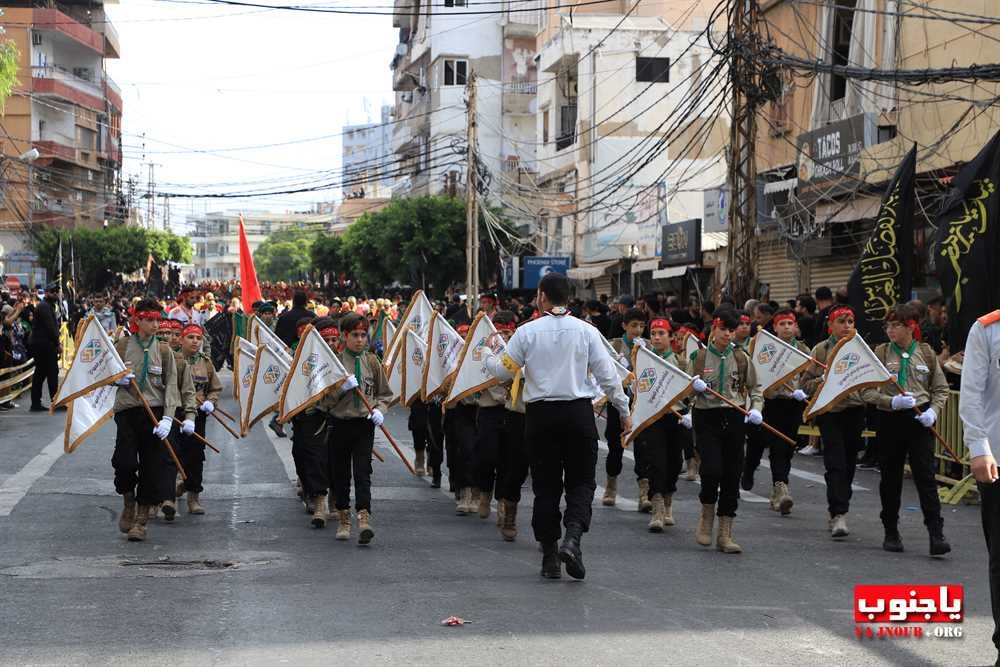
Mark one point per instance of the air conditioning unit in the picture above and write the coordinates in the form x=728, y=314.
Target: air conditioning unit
x=36, y=38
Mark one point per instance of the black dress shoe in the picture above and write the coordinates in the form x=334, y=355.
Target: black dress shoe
x=570, y=553
x=939, y=545
x=892, y=542
x=551, y=567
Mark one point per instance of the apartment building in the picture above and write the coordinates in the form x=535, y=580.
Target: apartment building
x=368, y=158
x=827, y=145
x=68, y=110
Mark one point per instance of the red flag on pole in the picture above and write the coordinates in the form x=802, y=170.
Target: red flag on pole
x=249, y=288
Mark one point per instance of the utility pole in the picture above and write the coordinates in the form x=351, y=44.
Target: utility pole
x=150, y=197
x=743, y=72
x=471, y=205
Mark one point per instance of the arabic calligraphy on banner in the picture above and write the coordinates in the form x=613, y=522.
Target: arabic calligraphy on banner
x=880, y=265
x=963, y=231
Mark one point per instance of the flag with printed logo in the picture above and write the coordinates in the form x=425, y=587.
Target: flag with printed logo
x=243, y=371
x=472, y=374
x=96, y=362
x=87, y=413
x=417, y=319
x=658, y=385
x=315, y=371
x=444, y=346
x=388, y=331
x=262, y=335
x=851, y=367
x=775, y=361
x=413, y=354
x=271, y=366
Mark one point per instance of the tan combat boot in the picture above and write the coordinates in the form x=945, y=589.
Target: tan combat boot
x=484, y=505
x=127, y=517
x=179, y=491
x=464, y=499
x=137, y=533
x=418, y=464
x=645, y=504
x=668, y=510
x=610, y=491
x=692, y=470
x=724, y=539
x=169, y=508
x=509, y=528
x=365, y=532
x=656, y=521
x=319, y=514
x=343, y=525
x=194, y=505
x=783, y=499
x=773, y=499
x=704, y=533
x=501, y=511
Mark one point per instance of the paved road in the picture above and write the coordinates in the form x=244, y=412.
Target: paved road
x=250, y=582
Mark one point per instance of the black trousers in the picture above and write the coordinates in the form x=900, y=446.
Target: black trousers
x=351, y=443
x=989, y=496
x=514, y=454
x=489, y=433
x=311, y=453
x=718, y=435
x=141, y=461
x=562, y=445
x=191, y=452
x=613, y=434
x=462, y=440
x=901, y=436
x=663, y=445
x=453, y=451
x=417, y=423
x=784, y=414
x=435, y=437
x=46, y=370
x=841, y=432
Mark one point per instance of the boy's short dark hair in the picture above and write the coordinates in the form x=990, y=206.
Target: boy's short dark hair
x=299, y=299
x=349, y=322
x=765, y=308
x=555, y=287
x=145, y=305
x=904, y=312
x=633, y=314
x=823, y=294
x=728, y=318
x=504, y=317
x=808, y=303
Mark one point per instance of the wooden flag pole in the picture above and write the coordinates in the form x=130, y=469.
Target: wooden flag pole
x=156, y=422
x=933, y=429
x=224, y=424
x=392, y=441
x=194, y=434
x=224, y=414
x=735, y=406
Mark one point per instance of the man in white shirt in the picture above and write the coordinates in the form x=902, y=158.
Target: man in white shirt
x=557, y=352
x=979, y=407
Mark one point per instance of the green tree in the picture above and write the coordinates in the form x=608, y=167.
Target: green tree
x=100, y=253
x=285, y=255
x=9, y=58
x=169, y=247
x=328, y=256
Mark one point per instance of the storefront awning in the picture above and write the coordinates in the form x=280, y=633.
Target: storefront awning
x=786, y=185
x=645, y=265
x=862, y=208
x=591, y=271
x=670, y=272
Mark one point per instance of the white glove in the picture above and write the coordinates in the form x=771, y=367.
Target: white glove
x=207, y=407
x=685, y=421
x=904, y=402
x=187, y=427
x=162, y=430
x=698, y=384
x=927, y=418
x=754, y=417
x=376, y=417
x=799, y=395
x=125, y=381
x=350, y=383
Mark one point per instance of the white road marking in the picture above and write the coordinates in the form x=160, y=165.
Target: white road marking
x=283, y=448
x=17, y=485
x=812, y=477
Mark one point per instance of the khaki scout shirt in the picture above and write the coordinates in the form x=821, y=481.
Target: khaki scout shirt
x=924, y=378
x=161, y=385
x=207, y=385
x=812, y=376
x=625, y=349
x=185, y=385
x=733, y=385
x=373, y=384
x=794, y=383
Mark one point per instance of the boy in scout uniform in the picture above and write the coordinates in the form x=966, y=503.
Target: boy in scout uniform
x=170, y=332
x=490, y=417
x=513, y=454
x=140, y=460
x=634, y=323
x=720, y=429
x=208, y=388
x=840, y=428
x=664, y=441
x=783, y=410
x=905, y=433
x=352, y=431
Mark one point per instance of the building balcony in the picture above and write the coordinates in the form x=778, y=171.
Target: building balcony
x=55, y=21
x=112, y=45
x=518, y=97
x=54, y=150
x=113, y=94
x=61, y=82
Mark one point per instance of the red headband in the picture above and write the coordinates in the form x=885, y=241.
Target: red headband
x=744, y=319
x=717, y=323
x=507, y=326
x=841, y=311
x=329, y=332
x=784, y=316
x=660, y=324
x=148, y=315
x=362, y=325
x=463, y=329
x=915, y=326
x=192, y=328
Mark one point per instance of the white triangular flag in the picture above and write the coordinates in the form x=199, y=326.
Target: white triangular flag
x=244, y=362
x=394, y=375
x=262, y=335
x=417, y=318
x=88, y=413
x=658, y=385
x=96, y=362
x=851, y=366
x=388, y=331
x=691, y=345
x=270, y=369
x=315, y=370
x=444, y=346
x=472, y=375
x=412, y=355
x=775, y=361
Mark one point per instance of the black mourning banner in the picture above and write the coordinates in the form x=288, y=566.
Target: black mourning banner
x=884, y=274
x=967, y=245
x=220, y=332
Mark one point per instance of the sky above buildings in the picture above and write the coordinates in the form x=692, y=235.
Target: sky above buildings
x=199, y=80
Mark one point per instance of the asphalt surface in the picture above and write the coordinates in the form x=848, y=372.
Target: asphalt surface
x=251, y=583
